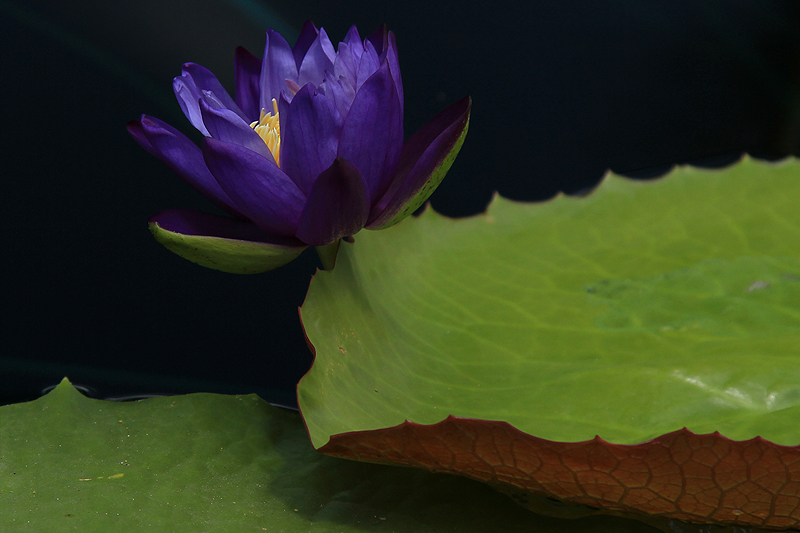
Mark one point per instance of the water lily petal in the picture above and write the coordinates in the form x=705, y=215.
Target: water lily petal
x=134, y=127
x=380, y=40
x=284, y=100
x=260, y=189
x=372, y=135
x=248, y=74
x=225, y=125
x=188, y=96
x=337, y=206
x=349, y=56
x=309, y=136
x=332, y=88
x=369, y=62
x=304, y=41
x=394, y=67
x=182, y=156
x=205, y=82
x=386, y=47
x=222, y=243
x=426, y=158
x=278, y=66
x=317, y=60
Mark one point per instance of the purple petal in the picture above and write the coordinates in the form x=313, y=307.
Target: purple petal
x=309, y=136
x=260, y=189
x=337, y=206
x=346, y=63
x=372, y=135
x=349, y=92
x=225, y=125
x=348, y=59
x=206, y=82
x=317, y=60
x=425, y=160
x=394, y=67
x=380, y=39
x=137, y=132
x=182, y=156
x=188, y=96
x=284, y=100
x=189, y=222
x=368, y=65
x=307, y=36
x=353, y=38
x=332, y=88
x=248, y=73
x=277, y=66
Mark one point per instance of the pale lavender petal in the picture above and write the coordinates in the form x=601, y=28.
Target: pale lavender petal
x=368, y=65
x=333, y=90
x=262, y=192
x=248, y=74
x=206, y=82
x=188, y=97
x=337, y=206
x=182, y=156
x=278, y=66
x=307, y=36
x=225, y=125
x=372, y=135
x=310, y=136
x=353, y=38
x=349, y=56
x=317, y=60
x=433, y=146
x=349, y=90
x=344, y=66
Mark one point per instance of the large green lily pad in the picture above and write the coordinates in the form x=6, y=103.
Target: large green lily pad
x=629, y=314
x=211, y=463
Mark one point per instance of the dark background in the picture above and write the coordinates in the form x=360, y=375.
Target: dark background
x=562, y=91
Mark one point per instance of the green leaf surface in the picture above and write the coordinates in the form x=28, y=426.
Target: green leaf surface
x=212, y=463
x=629, y=314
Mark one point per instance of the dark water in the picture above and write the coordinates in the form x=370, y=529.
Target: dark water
x=562, y=91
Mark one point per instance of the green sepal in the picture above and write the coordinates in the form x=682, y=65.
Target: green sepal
x=228, y=255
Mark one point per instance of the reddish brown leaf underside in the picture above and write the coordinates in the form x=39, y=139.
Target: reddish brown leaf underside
x=680, y=475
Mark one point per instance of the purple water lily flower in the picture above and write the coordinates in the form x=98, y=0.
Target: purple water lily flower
x=310, y=150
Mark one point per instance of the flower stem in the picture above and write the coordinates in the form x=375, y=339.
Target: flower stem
x=327, y=254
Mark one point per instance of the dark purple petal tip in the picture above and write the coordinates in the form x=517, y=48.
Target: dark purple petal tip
x=248, y=73
x=426, y=158
x=134, y=127
x=337, y=205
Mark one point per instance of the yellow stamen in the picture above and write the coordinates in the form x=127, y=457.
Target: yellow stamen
x=268, y=127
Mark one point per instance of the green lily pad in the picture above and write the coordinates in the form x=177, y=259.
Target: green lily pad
x=642, y=309
x=212, y=463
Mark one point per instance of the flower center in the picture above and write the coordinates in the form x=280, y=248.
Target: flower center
x=268, y=128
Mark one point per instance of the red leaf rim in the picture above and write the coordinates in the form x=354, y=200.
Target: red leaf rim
x=679, y=475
